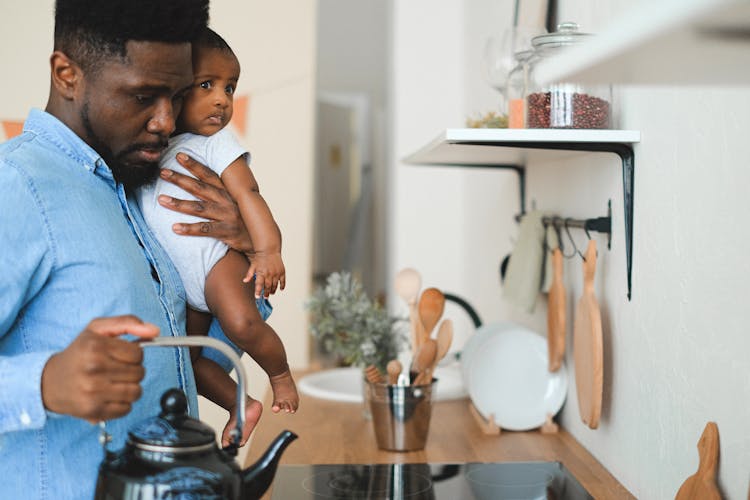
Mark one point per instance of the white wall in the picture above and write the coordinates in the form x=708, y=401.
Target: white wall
x=676, y=355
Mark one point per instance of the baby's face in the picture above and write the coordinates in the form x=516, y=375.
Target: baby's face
x=208, y=106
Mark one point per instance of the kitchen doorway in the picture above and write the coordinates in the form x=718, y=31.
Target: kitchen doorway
x=349, y=231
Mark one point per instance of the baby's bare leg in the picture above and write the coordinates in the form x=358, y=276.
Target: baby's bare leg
x=215, y=384
x=232, y=302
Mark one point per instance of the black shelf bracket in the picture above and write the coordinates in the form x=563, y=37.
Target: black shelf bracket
x=623, y=150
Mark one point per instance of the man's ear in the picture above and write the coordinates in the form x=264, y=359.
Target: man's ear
x=67, y=76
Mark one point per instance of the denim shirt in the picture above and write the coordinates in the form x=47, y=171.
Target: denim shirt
x=72, y=248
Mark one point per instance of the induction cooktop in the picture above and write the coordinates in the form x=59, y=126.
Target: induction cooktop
x=481, y=481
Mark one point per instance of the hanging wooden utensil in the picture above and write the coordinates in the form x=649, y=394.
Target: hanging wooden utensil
x=587, y=345
x=556, y=313
x=408, y=282
x=431, y=306
x=702, y=484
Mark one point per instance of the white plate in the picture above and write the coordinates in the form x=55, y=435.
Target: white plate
x=477, y=338
x=508, y=378
x=345, y=384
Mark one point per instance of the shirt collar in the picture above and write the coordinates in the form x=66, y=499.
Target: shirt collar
x=49, y=127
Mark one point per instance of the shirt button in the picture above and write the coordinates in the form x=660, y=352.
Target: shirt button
x=25, y=419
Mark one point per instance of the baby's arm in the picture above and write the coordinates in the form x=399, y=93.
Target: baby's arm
x=265, y=260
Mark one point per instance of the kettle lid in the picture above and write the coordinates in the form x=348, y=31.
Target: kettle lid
x=173, y=427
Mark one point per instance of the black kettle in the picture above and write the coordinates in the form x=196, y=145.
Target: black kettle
x=174, y=456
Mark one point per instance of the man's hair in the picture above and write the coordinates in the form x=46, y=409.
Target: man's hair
x=209, y=39
x=89, y=31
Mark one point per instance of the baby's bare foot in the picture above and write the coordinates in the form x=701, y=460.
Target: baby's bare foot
x=253, y=410
x=285, y=395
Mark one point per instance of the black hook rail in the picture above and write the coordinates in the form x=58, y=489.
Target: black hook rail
x=596, y=224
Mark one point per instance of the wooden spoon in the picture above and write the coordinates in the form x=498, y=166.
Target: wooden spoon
x=422, y=362
x=556, y=314
x=702, y=484
x=444, y=339
x=587, y=345
x=394, y=370
x=431, y=306
x=408, y=282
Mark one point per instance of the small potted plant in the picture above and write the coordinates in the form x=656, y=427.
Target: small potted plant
x=350, y=326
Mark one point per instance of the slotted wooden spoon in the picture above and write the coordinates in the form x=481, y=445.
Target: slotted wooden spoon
x=587, y=345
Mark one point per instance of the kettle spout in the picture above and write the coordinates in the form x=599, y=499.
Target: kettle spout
x=258, y=477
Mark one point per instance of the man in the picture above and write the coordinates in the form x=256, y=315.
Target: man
x=79, y=267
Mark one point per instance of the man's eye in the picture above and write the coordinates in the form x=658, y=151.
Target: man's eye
x=143, y=99
x=205, y=85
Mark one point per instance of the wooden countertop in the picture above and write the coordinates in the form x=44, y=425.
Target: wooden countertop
x=336, y=433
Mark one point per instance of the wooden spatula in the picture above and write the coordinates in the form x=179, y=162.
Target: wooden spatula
x=431, y=306
x=556, y=313
x=587, y=345
x=702, y=484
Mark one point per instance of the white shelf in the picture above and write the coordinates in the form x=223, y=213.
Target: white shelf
x=703, y=42
x=495, y=147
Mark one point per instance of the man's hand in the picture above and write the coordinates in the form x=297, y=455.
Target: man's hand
x=97, y=377
x=214, y=204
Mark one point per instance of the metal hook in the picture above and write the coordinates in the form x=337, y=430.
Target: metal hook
x=572, y=241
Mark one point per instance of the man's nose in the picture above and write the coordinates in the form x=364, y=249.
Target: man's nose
x=162, y=122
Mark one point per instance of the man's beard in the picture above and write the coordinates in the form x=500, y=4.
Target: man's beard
x=131, y=176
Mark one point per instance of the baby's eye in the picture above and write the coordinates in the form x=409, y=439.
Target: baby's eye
x=205, y=85
x=229, y=89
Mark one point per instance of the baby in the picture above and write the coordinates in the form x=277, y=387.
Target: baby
x=219, y=281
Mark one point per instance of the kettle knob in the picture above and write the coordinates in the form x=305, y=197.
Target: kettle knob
x=173, y=402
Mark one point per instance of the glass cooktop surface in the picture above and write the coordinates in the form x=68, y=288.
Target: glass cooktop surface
x=481, y=481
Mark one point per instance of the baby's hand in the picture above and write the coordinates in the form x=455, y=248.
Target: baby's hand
x=269, y=273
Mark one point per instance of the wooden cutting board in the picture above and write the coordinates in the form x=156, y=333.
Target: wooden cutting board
x=587, y=345
x=556, y=313
x=702, y=484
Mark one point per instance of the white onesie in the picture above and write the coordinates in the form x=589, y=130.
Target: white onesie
x=193, y=256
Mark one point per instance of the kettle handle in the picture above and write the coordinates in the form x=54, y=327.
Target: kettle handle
x=222, y=347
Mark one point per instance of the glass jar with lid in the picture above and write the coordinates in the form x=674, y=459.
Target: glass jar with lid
x=564, y=104
x=518, y=84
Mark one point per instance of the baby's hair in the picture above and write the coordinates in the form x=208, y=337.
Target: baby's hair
x=209, y=39
x=90, y=31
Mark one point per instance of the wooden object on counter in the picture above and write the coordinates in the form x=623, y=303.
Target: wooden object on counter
x=556, y=313
x=489, y=427
x=332, y=432
x=702, y=484
x=549, y=426
x=587, y=345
